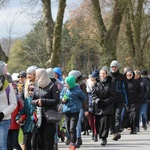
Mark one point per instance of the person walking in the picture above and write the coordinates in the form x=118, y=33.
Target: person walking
x=103, y=94
x=46, y=96
x=144, y=100
x=120, y=100
x=72, y=99
x=8, y=104
x=13, y=133
x=134, y=100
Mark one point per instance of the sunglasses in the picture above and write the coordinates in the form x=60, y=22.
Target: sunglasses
x=128, y=75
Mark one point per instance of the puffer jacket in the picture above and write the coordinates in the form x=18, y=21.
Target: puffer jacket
x=76, y=97
x=103, y=94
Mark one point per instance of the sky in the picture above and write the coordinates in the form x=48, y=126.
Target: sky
x=16, y=19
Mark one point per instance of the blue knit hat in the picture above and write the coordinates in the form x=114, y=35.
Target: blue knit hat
x=95, y=74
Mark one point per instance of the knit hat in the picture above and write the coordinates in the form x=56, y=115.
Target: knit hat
x=70, y=80
x=22, y=73
x=105, y=68
x=50, y=73
x=95, y=74
x=2, y=64
x=114, y=63
x=75, y=73
x=31, y=69
x=144, y=72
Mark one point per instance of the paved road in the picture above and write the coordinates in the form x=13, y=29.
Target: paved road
x=140, y=141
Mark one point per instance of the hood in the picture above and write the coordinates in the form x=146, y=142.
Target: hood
x=70, y=80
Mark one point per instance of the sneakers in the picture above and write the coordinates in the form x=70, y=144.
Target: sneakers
x=116, y=137
x=104, y=142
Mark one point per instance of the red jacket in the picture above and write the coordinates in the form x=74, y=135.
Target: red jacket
x=13, y=124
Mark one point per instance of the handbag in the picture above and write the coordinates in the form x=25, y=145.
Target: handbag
x=53, y=116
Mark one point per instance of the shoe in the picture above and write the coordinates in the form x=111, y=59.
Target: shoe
x=67, y=142
x=104, y=142
x=144, y=127
x=121, y=129
x=116, y=137
x=111, y=132
x=84, y=133
x=95, y=138
x=55, y=146
x=137, y=129
x=133, y=132
x=72, y=147
x=79, y=142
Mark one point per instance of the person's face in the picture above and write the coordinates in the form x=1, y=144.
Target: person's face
x=31, y=77
x=136, y=76
x=114, y=68
x=56, y=75
x=129, y=75
x=21, y=79
x=103, y=74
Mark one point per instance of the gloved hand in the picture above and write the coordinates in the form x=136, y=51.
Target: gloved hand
x=1, y=116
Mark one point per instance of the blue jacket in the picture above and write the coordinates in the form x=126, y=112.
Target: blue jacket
x=75, y=99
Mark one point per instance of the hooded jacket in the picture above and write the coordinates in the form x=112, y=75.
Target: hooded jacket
x=75, y=97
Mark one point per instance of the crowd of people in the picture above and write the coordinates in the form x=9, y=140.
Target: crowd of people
x=105, y=102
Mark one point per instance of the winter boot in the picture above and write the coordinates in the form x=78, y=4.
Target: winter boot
x=79, y=142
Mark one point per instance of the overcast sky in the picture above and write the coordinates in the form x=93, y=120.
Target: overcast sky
x=16, y=19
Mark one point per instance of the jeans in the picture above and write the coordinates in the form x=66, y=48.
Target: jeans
x=71, y=121
x=4, y=127
x=12, y=140
x=79, y=124
x=143, y=113
x=56, y=134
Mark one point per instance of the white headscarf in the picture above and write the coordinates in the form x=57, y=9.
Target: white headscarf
x=42, y=78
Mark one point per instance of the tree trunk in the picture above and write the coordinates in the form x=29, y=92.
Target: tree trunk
x=56, y=46
x=3, y=56
x=108, y=38
x=48, y=26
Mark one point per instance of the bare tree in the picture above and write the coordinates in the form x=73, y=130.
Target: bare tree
x=108, y=36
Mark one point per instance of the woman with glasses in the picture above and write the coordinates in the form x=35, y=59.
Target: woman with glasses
x=134, y=97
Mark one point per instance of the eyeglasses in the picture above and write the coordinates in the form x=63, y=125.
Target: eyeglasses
x=128, y=75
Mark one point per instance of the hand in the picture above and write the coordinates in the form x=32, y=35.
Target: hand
x=19, y=121
x=39, y=102
x=1, y=116
x=64, y=100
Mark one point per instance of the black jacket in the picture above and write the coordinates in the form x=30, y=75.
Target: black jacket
x=103, y=94
x=120, y=82
x=49, y=96
x=145, y=89
x=135, y=94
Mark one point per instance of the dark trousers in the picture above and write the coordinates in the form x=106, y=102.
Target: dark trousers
x=71, y=121
x=103, y=125
x=132, y=120
x=46, y=135
x=116, y=118
x=12, y=140
x=27, y=140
